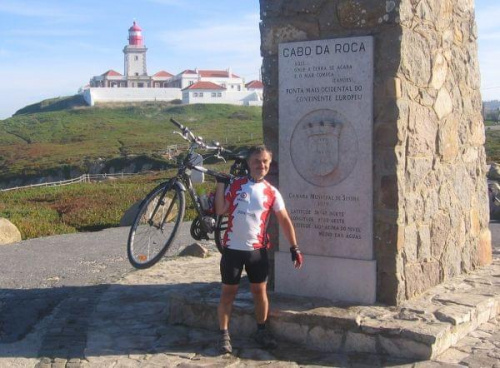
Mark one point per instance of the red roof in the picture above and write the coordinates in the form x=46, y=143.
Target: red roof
x=204, y=85
x=216, y=74
x=211, y=73
x=188, y=71
x=111, y=73
x=254, y=84
x=162, y=73
x=135, y=27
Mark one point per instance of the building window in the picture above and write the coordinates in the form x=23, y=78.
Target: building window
x=195, y=94
x=214, y=94
x=191, y=83
x=136, y=57
x=201, y=94
x=219, y=94
x=239, y=88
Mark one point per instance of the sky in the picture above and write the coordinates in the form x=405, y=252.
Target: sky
x=51, y=48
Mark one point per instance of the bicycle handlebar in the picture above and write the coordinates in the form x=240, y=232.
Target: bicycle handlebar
x=176, y=123
x=189, y=136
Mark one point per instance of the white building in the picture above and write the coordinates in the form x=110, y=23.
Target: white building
x=190, y=86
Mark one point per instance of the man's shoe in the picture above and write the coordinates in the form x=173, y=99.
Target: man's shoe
x=265, y=339
x=225, y=345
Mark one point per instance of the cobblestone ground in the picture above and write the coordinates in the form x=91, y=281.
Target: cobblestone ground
x=125, y=325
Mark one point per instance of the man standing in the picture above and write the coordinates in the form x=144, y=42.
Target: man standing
x=248, y=202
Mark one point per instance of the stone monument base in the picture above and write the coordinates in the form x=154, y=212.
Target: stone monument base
x=338, y=279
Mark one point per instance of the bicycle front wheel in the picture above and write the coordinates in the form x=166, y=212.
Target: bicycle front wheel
x=156, y=224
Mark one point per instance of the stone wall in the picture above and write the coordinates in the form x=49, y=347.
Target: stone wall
x=96, y=95
x=430, y=192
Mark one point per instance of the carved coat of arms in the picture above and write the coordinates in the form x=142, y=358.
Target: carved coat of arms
x=324, y=145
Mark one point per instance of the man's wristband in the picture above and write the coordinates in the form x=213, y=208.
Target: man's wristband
x=297, y=257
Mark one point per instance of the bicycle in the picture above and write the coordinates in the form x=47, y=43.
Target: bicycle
x=161, y=212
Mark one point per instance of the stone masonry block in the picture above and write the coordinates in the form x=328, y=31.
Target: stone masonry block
x=360, y=343
x=304, y=7
x=444, y=104
x=290, y=331
x=420, y=277
x=271, y=8
x=454, y=314
x=405, y=348
x=325, y=339
x=416, y=54
x=485, y=248
x=354, y=14
x=448, y=142
x=272, y=34
x=389, y=192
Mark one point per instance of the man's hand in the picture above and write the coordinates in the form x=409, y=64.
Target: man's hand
x=297, y=257
x=223, y=178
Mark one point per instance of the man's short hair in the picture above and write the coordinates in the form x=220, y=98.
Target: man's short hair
x=258, y=149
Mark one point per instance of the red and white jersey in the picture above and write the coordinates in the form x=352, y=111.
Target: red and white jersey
x=250, y=205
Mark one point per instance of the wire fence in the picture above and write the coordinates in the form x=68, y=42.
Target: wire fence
x=85, y=178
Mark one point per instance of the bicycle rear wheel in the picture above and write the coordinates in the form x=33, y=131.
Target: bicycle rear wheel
x=220, y=230
x=156, y=224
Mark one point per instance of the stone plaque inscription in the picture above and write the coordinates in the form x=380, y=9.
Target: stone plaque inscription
x=325, y=113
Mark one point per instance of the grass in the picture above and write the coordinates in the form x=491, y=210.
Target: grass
x=60, y=135
x=48, y=211
x=37, y=143
x=492, y=145
x=65, y=138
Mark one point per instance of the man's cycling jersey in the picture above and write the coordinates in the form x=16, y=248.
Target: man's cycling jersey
x=250, y=205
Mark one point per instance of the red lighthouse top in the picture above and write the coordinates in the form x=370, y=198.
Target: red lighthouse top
x=135, y=35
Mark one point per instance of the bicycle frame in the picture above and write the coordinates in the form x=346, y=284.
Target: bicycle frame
x=147, y=244
x=183, y=179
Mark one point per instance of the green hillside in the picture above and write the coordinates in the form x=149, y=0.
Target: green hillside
x=60, y=134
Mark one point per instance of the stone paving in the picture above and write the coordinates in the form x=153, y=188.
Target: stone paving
x=126, y=325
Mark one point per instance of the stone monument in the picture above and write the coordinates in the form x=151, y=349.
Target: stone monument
x=325, y=150
x=373, y=111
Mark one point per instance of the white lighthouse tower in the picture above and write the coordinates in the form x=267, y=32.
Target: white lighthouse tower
x=135, y=58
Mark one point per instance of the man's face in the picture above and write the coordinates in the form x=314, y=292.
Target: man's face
x=259, y=164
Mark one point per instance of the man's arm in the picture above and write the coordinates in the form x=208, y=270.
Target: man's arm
x=287, y=226
x=289, y=231
x=221, y=205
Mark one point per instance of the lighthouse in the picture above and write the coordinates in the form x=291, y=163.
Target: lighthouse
x=135, y=58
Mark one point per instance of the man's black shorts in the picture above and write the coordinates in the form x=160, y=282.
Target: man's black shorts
x=256, y=265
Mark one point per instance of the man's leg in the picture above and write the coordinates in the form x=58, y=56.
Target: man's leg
x=224, y=313
x=263, y=336
x=225, y=307
x=259, y=293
